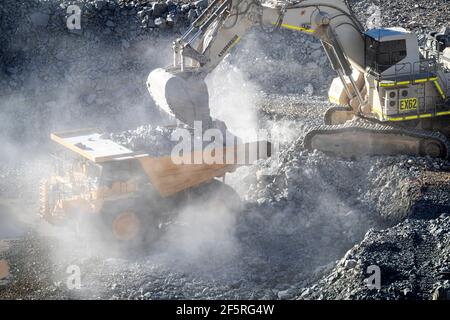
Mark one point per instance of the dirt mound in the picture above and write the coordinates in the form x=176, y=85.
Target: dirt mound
x=413, y=259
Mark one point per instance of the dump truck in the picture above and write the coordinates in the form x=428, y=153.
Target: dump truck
x=126, y=195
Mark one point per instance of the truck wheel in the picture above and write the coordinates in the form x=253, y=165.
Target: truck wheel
x=129, y=223
x=126, y=226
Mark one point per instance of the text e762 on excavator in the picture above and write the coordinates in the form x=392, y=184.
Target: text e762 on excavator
x=392, y=95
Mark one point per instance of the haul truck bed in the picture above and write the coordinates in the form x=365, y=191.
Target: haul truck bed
x=124, y=187
x=167, y=177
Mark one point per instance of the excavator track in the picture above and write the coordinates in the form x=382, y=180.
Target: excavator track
x=363, y=137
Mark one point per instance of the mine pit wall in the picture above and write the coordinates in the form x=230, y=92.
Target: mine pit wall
x=53, y=78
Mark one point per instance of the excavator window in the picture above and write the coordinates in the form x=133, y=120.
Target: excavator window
x=381, y=55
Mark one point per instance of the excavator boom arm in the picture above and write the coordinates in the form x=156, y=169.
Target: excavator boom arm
x=225, y=22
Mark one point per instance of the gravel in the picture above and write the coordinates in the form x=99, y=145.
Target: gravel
x=154, y=140
x=421, y=17
x=413, y=258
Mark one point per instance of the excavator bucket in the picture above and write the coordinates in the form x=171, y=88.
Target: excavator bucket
x=182, y=95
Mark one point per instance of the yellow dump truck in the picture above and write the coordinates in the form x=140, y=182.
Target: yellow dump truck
x=130, y=193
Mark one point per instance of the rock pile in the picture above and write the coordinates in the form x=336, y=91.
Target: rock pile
x=154, y=140
x=413, y=259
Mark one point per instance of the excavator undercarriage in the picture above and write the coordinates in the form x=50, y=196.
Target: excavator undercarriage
x=347, y=135
x=367, y=137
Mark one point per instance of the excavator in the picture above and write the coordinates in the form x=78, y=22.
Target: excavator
x=391, y=95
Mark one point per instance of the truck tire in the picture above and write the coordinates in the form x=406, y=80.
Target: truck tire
x=129, y=223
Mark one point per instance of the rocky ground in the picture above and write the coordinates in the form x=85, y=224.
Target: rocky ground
x=421, y=16
x=309, y=224
x=413, y=258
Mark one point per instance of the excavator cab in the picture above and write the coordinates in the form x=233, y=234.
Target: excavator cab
x=407, y=85
x=391, y=52
x=381, y=53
